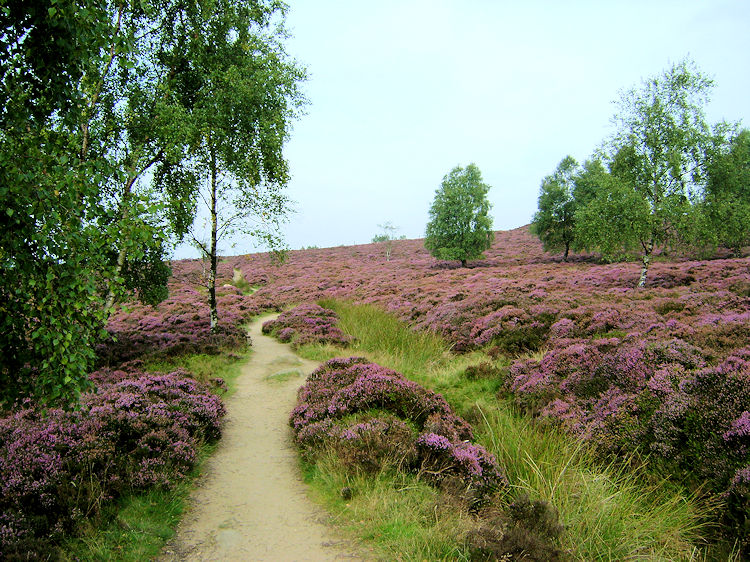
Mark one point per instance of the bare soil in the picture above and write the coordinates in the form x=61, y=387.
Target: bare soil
x=251, y=503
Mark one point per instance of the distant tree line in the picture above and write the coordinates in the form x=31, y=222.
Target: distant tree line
x=115, y=117
x=665, y=178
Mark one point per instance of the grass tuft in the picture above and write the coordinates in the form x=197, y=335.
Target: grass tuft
x=137, y=527
x=402, y=517
x=204, y=367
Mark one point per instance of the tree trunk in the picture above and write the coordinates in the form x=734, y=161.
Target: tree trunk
x=121, y=254
x=645, y=261
x=98, y=89
x=212, y=254
x=567, y=250
x=463, y=263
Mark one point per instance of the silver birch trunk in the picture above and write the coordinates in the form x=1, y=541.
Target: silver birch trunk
x=645, y=262
x=212, y=273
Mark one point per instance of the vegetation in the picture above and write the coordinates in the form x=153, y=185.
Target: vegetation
x=613, y=367
x=141, y=431
x=554, y=222
x=306, y=323
x=387, y=236
x=137, y=525
x=241, y=107
x=576, y=391
x=663, y=179
x=519, y=323
x=607, y=513
x=110, y=117
x=658, y=163
x=87, y=112
x=460, y=227
x=727, y=200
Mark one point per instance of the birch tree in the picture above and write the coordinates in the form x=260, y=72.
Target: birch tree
x=460, y=227
x=554, y=220
x=245, y=102
x=658, y=160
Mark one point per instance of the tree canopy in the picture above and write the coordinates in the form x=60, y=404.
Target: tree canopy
x=727, y=201
x=657, y=161
x=241, y=112
x=53, y=255
x=554, y=222
x=665, y=178
x=460, y=227
x=99, y=161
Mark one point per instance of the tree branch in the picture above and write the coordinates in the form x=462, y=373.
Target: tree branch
x=99, y=86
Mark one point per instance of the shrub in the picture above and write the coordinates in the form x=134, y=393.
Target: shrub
x=404, y=425
x=483, y=370
x=524, y=531
x=661, y=399
x=62, y=466
x=177, y=326
x=441, y=458
x=374, y=443
x=307, y=323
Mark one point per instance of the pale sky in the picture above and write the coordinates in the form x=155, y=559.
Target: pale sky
x=401, y=91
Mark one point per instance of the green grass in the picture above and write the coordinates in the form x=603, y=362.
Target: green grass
x=609, y=512
x=138, y=526
x=226, y=365
x=243, y=284
x=245, y=287
x=397, y=516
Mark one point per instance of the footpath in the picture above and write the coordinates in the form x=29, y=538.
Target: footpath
x=251, y=503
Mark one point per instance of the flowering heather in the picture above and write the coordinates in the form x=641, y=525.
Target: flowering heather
x=628, y=370
x=178, y=325
x=441, y=458
x=402, y=422
x=139, y=430
x=341, y=387
x=662, y=399
x=307, y=323
x=513, y=298
x=370, y=442
x=621, y=367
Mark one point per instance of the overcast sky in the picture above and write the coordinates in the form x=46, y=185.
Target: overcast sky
x=401, y=91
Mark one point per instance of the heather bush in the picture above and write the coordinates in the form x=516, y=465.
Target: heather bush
x=179, y=325
x=483, y=370
x=345, y=386
x=373, y=442
x=404, y=425
x=441, y=458
x=307, y=323
x=661, y=399
x=138, y=431
x=513, y=330
x=525, y=530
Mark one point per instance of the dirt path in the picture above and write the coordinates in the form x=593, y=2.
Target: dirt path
x=251, y=503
